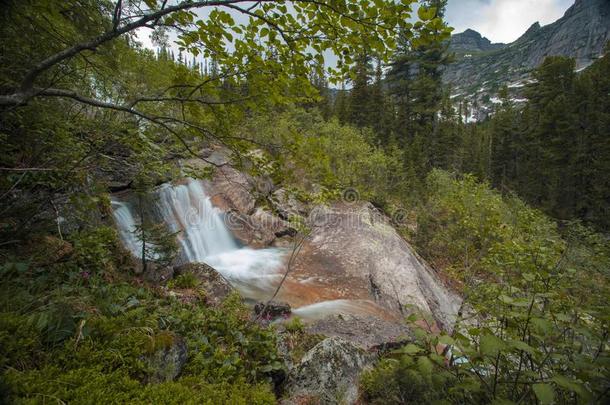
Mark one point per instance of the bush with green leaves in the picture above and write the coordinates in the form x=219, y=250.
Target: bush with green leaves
x=335, y=157
x=534, y=324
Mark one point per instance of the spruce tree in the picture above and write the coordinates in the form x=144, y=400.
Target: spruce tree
x=360, y=95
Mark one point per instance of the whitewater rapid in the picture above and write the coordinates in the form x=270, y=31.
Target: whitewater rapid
x=202, y=236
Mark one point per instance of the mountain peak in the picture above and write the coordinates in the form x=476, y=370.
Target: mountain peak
x=531, y=31
x=471, y=41
x=582, y=34
x=471, y=33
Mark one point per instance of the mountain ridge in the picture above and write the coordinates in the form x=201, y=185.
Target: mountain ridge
x=472, y=41
x=581, y=33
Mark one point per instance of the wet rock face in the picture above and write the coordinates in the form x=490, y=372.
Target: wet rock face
x=328, y=374
x=232, y=190
x=354, y=250
x=287, y=205
x=216, y=287
x=234, y=193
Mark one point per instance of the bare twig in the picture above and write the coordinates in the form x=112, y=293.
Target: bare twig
x=296, y=249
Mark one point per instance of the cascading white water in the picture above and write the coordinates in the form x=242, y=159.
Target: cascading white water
x=188, y=210
x=203, y=237
x=127, y=227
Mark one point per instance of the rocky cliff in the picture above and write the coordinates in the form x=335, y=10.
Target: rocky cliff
x=582, y=33
x=471, y=42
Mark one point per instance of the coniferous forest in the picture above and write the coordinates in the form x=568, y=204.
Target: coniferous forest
x=263, y=202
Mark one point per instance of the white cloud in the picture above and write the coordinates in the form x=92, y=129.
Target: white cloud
x=503, y=20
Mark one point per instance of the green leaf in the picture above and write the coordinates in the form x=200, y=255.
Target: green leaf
x=506, y=299
x=491, y=345
x=446, y=339
x=570, y=385
x=426, y=14
x=425, y=365
x=502, y=401
x=541, y=325
x=520, y=345
x=21, y=267
x=409, y=349
x=544, y=393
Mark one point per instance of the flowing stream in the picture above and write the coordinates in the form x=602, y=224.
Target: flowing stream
x=203, y=236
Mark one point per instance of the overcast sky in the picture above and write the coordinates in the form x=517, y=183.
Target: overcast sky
x=503, y=20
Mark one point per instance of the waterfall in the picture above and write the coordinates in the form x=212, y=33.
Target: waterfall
x=202, y=237
x=127, y=227
x=188, y=210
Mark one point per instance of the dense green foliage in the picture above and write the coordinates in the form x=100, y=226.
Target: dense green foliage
x=556, y=152
x=77, y=326
x=534, y=324
x=72, y=335
x=336, y=158
x=553, y=152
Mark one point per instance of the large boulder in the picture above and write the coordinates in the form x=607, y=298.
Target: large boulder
x=235, y=193
x=287, y=205
x=328, y=374
x=355, y=253
x=365, y=331
x=231, y=189
x=216, y=287
x=258, y=230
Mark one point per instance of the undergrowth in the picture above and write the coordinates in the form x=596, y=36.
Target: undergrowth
x=80, y=330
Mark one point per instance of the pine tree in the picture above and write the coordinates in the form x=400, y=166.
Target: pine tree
x=549, y=139
x=505, y=145
x=360, y=95
x=380, y=115
x=400, y=78
x=341, y=105
x=324, y=104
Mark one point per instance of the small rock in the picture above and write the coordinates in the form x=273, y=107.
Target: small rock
x=118, y=186
x=272, y=310
x=216, y=287
x=264, y=185
x=283, y=242
x=167, y=360
x=287, y=205
x=328, y=373
x=156, y=274
x=218, y=158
